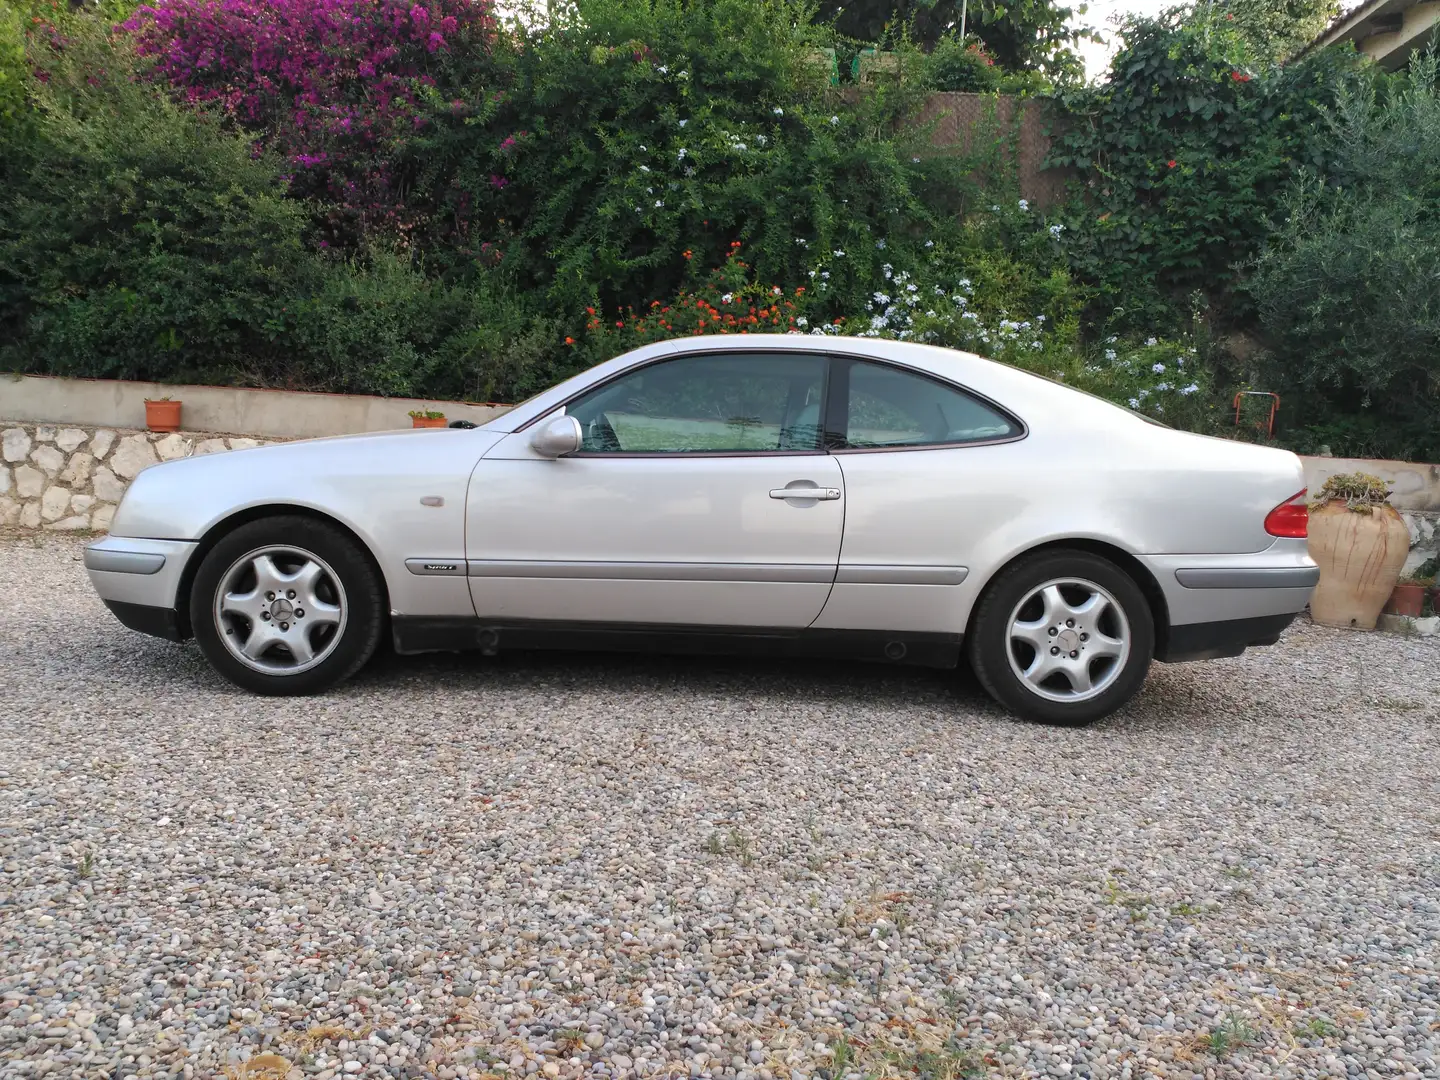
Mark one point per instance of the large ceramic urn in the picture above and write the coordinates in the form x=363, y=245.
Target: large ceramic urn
x=1360, y=555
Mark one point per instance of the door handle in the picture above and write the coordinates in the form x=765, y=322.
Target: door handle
x=807, y=494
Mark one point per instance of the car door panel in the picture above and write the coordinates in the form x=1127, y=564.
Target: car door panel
x=912, y=517
x=693, y=541
x=917, y=499
x=681, y=507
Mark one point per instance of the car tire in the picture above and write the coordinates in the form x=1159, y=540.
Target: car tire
x=287, y=606
x=1062, y=637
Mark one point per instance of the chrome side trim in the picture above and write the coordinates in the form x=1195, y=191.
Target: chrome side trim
x=901, y=575
x=436, y=567
x=654, y=571
x=1249, y=577
x=123, y=562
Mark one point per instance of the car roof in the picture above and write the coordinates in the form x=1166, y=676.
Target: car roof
x=1033, y=398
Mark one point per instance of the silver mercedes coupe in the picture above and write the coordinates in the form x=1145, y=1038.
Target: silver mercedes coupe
x=786, y=495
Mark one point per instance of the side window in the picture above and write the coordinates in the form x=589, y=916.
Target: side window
x=737, y=403
x=891, y=407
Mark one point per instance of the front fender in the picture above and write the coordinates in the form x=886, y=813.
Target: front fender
x=372, y=485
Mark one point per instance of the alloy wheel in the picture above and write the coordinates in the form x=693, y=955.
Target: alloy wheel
x=280, y=610
x=1068, y=640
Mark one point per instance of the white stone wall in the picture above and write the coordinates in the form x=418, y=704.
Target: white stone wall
x=71, y=479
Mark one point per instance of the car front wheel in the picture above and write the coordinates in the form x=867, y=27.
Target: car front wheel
x=1063, y=637
x=286, y=605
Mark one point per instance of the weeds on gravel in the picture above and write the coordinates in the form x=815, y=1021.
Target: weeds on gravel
x=1234, y=1033
x=740, y=844
x=950, y=1062
x=737, y=843
x=1134, y=903
x=259, y=1067
x=569, y=1041
x=1317, y=1027
x=1186, y=909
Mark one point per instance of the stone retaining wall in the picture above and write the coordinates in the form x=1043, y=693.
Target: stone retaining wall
x=71, y=478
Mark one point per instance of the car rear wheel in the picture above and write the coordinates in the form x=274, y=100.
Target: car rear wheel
x=1063, y=637
x=287, y=605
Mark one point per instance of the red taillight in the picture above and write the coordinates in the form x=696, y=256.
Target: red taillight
x=1290, y=518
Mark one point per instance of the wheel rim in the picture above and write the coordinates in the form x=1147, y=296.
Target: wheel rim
x=280, y=610
x=1068, y=640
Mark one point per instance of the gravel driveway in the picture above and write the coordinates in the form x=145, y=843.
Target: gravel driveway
x=644, y=867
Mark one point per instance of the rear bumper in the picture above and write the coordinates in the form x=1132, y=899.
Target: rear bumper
x=1226, y=588
x=1248, y=577
x=1231, y=637
x=1219, y=605
x=139, y=580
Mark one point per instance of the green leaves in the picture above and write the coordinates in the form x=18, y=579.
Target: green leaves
x=1196, y=150
x=1345, y=289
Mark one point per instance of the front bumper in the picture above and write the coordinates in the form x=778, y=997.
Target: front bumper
x=139, y=580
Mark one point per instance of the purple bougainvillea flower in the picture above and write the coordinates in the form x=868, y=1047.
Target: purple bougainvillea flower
x=330, y=83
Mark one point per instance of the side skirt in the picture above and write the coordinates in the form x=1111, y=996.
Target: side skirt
x=418, y=634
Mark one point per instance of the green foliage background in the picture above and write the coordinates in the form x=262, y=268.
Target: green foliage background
x=622, y=171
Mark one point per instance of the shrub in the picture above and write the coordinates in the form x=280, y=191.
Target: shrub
x=725, y=301
x=631, y=133
x=138, y=240
x=965, y=66
x=133, y=237
x=1342, y=288
x=1190, y=146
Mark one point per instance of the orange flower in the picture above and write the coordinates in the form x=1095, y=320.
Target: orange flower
x=590, y=310
x=569, y=341
x=687, y=253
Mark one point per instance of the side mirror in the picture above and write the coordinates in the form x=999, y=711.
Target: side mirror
x=557, y=437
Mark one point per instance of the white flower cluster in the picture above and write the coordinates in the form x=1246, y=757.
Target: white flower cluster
x=952, y=324
x=1152, y=378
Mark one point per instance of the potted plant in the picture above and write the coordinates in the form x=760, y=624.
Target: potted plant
x=1408, y=596
x=426, y=418
x=1429, y=570
x=162, y=414
x=1360, y=542
x=1414, y=589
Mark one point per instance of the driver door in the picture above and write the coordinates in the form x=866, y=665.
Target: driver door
x=700, y=497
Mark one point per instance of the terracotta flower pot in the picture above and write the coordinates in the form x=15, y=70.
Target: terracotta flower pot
x=1360, y=556
x=428, y=421
x=162, y=415
x=1406, y=600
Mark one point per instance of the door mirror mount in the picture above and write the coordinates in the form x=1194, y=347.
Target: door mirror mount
x=556, y=437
